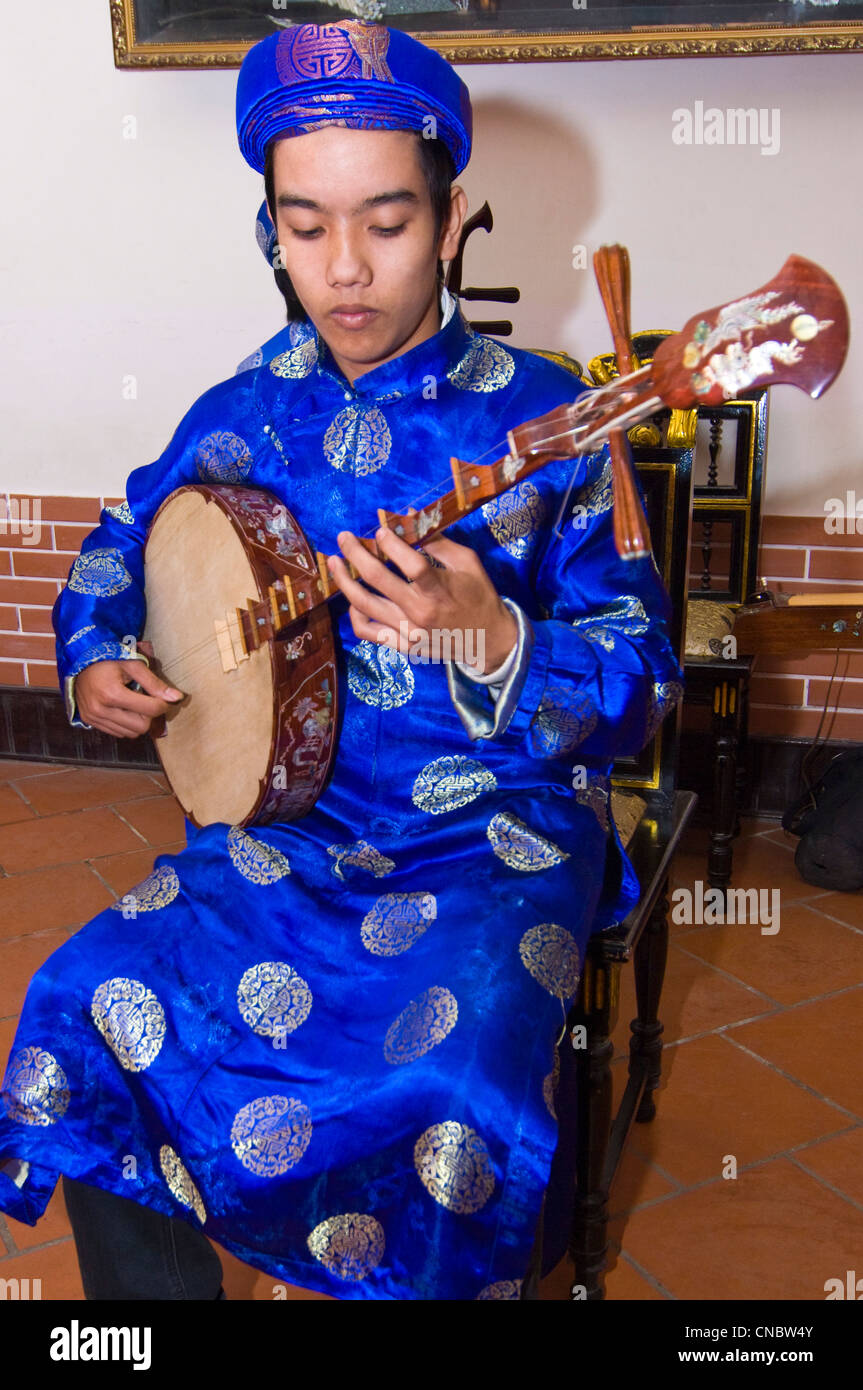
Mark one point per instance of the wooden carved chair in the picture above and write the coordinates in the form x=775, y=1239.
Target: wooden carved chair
x=651, y=813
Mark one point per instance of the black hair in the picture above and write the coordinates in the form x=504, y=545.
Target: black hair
x=439, y=170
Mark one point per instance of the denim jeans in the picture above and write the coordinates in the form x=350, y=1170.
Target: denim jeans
x=130, y=1252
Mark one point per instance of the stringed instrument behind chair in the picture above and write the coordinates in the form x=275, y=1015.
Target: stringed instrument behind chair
x=237, y=602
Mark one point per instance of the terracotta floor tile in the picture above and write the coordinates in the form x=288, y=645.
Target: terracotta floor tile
x=158, y=818
x=820, y=1044
x=756, y=825
x=848, y=907
x=14, y=769
x=65, y=896
x=77, y=788
x=695, y=999
x=13, y=807
x=8, y=1027
x=55, y=1265
x=64, y=839
x=715, y=1100
x=624, y=1284
x=125, y=871
x=773, y=1233
x=19, y=961
x=808, y=956
x=778, y=836
x=636, y=1181
x=242, y=1282
x=838, y=1161
x=52, y=1225
x=760, y=863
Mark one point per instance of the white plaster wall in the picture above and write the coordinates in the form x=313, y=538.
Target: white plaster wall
x=136, y=257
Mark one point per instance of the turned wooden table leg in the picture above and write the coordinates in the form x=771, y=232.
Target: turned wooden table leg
x=645, y=1046
x=596, y=1012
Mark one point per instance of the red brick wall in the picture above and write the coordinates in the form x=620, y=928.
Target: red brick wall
x=32, y=573
x=797, y=554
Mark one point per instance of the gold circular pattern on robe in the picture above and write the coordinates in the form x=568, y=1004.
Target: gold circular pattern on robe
x=520, y=847
x=550, y=1084
x=425, y=1022
x=515, y=517
x=396, y=921
x=298, y=361
x=503, y=1289
x=598, y=496
x=157, y=890
x=348, y=1246
x=663, y=697
x=180, y=1183
x=565, y=718
x=37, y=1091
x=454, y=1167
x=550, y=954
x=380, y=676
x=485, y=366
x=100, y=572
x=131, y=1020
x=256, y=861
x=360, y=855
x=222, y=457
x=273, y=999
x=122, y=513
x=358, y=441
x=271, y=1134
x=451, y=782
x=595, y=795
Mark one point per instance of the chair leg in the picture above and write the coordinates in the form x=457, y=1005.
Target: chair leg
x=645, y=1046
x=596, y=1011
x=725, y=823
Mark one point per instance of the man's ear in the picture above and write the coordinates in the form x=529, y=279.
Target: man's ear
x=451, y=230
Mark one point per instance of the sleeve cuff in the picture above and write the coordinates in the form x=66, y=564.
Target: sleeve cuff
x=487, y=704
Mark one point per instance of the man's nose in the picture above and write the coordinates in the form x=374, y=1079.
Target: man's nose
x=347, y=264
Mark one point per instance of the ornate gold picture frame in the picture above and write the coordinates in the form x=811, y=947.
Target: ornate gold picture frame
x=217, y=33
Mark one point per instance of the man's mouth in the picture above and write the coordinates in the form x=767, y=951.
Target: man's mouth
x=353, y=315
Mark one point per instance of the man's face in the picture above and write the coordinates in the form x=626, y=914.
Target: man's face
x=354, y=220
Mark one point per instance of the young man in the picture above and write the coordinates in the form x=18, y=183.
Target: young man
x=329, y=1044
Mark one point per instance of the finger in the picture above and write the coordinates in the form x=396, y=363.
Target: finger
x=412, y=564
x=450, y=553
x=371, y=605
x=151, y=682
x=375, y=571
x=120, y=697
x=383, y=636
x=117, y=727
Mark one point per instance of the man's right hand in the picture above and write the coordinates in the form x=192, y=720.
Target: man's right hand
x=105, y=701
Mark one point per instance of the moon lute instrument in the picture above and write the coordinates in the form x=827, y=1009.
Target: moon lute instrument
x=238, y=602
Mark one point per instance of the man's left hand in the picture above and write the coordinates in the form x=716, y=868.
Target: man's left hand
x=411, y=612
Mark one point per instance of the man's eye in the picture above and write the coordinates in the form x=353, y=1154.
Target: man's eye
x=305, y=235
x=390, y=231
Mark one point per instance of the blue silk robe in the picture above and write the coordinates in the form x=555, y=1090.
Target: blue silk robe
x=330, y=1044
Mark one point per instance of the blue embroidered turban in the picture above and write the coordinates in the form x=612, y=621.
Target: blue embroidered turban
x=352, y=74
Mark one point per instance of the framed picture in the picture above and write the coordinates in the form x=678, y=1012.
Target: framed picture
x=208, y=33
